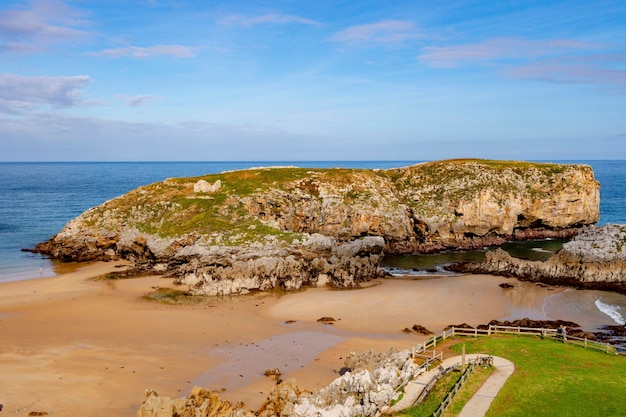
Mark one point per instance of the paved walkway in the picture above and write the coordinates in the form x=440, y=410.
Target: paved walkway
x=478, y=405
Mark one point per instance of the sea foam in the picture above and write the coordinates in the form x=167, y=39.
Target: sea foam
x=611, y=311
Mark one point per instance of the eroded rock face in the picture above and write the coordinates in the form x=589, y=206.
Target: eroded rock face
x=290, y=227
x=318, y=262
x=595, y=258
x=366, y=390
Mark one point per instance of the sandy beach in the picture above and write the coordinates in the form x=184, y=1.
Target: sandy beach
x=74, y=346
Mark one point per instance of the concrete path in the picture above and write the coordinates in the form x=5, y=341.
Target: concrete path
x=478, y=404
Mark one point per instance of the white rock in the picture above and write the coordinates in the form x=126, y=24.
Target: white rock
x=203, y=186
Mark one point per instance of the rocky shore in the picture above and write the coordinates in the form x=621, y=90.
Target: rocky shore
x=367, y=386
x=261, y=229
x=594, y=259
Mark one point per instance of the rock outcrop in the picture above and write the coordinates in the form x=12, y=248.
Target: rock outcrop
x=595, y=258
x=320, y=261
x=367, y=389
x=291, y=227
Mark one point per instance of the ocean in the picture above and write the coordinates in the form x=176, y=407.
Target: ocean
x=37, y=199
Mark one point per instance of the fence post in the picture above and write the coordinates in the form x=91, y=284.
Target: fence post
x=434, y=341
x=585, y=343
x=489, y=331
x=444, y=335
x=452, y=330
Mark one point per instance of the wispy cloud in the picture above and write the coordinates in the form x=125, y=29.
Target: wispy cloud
x=556, y=61
x=140, y=100
x=175, y=51
x=272, y=19
x=19, y=93
x=41, y=24
x=386, y=31
x=573, y=72
x=498, y=50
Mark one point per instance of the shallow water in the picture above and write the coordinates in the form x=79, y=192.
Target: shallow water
x=582, y=307
x=245, y=364
x=435, y=263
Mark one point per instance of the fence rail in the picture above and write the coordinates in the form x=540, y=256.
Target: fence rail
x=516, y=330
x=472, y=364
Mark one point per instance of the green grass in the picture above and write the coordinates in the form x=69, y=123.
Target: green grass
x=175, y=297
x=553, y=379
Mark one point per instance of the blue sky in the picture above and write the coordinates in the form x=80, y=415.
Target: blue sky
x=122, y=80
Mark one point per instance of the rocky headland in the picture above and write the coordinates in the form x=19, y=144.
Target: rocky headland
x=594, y=259
x=287, y=227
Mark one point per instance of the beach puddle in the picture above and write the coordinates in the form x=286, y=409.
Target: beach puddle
x=527, y=300
x=245, y=364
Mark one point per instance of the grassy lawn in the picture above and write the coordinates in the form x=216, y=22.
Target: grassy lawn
x=553, y=379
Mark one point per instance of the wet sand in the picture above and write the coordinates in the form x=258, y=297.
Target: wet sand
x=71, y=346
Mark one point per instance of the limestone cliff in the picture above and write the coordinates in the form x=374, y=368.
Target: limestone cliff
x=326, y=226
x=595, y=258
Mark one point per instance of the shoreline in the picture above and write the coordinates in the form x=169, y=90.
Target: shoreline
x=76, y=346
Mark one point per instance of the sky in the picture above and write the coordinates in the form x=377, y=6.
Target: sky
x=280, y=80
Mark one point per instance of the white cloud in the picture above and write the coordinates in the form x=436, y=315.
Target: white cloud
x=175, y=51
x=276, y=19
x=386, y=31
x=19, y=93
x=50, y=136
x=44, y=23
x=59, y=137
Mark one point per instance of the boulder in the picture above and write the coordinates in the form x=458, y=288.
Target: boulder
x=203, y=186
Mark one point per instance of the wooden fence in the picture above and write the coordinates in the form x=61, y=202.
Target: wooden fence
x=493, y=330
x=472, y=364
x=420, y=351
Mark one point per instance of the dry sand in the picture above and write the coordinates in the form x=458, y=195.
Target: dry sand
x=72, y=346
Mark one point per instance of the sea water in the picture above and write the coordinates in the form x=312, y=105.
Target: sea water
x=38, y=199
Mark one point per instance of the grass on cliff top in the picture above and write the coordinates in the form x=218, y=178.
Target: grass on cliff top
x=456, y=180
x=508, y=164
x=250, y=181
x=223, y=212
x=554, y=379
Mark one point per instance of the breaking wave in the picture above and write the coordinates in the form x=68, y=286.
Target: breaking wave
x=542, y=250
x=401, y=272
x=611, y=311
